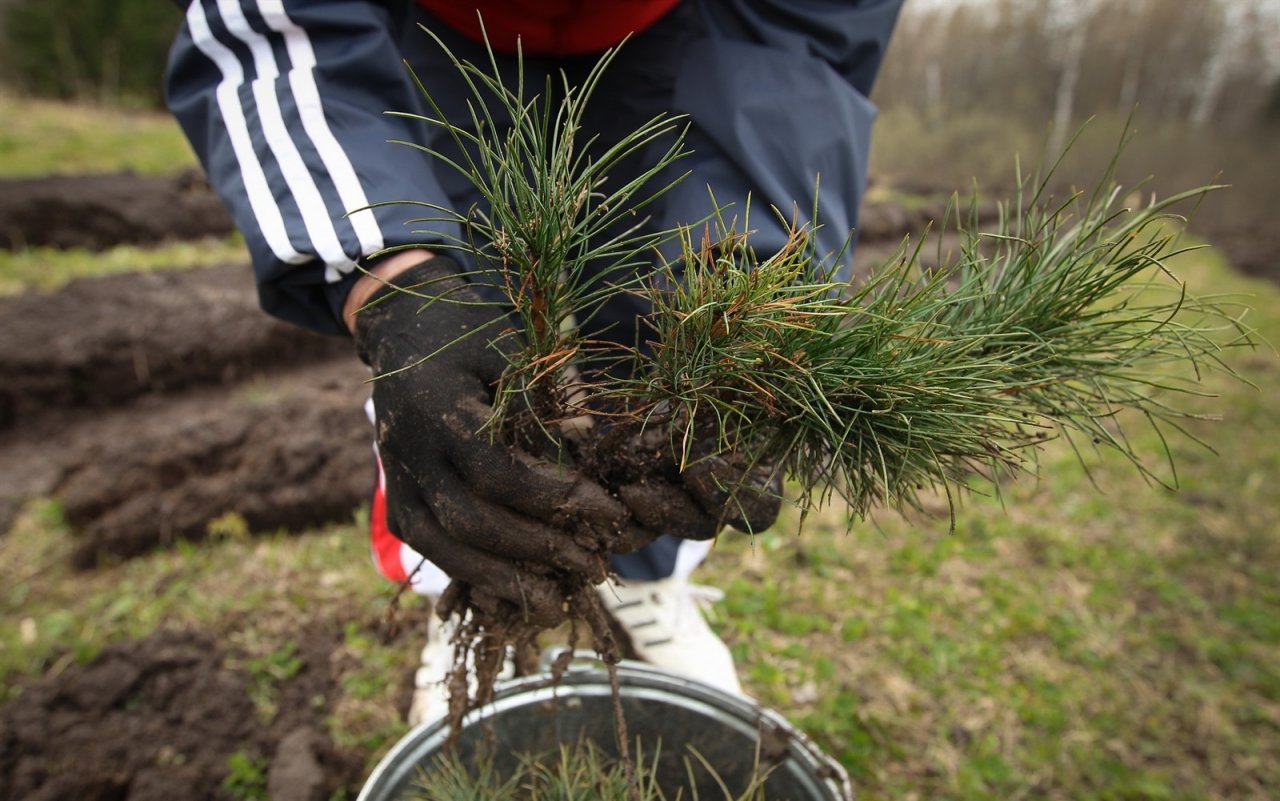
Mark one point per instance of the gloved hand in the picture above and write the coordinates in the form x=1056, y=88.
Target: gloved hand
x=744, y=495
x=494, y=518
x=714, y=489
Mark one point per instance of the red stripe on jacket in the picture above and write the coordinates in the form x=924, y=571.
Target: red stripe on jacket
x=550, y=27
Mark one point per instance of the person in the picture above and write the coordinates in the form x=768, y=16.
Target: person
x=285, y=103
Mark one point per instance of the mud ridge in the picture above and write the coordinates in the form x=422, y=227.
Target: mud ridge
x=99, y=342
x=99, y=211
x=292, y=452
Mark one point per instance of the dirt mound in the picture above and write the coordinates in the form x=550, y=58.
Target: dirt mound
x=1253, y=251
x=293, y=452
x=290, y=454
x=165, y=718
x=98, y=211
x=101, y=341
x=153, y=403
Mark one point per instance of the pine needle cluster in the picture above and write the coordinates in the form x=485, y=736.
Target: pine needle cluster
x=1051, y=325
x=579, y=770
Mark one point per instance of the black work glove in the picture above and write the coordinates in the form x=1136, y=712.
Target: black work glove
x=490, y=516
x=715, y=489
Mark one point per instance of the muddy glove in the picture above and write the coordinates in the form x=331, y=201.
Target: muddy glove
x=490, y=517
x=714, y=490
x=726, y=485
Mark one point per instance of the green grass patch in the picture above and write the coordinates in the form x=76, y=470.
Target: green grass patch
x=246, y=777
x=40, y=137
x=46, y=269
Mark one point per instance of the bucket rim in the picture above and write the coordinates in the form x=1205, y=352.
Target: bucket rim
x=584, y=675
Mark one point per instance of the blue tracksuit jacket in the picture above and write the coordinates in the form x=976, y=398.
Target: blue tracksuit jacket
x=284, y=102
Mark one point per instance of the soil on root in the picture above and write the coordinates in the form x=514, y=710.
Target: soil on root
x=168, y=717
x=101, y=341
x=99, y=211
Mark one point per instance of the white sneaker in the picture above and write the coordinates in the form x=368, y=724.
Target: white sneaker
x=667, y=629
x=430, y=681
x=430, y=691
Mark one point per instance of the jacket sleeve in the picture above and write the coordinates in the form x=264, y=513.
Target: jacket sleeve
x=849, y=35
x=285, y=102
x=778, y=94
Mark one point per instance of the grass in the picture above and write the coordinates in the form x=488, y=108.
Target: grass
x=41, y=137
x=45, y=269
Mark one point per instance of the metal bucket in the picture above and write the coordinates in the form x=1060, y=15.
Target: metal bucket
x=664, y=712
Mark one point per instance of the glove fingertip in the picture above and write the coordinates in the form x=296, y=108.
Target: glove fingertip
x=668, y=510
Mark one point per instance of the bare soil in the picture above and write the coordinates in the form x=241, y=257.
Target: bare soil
x=150, y=416
x=162, y=718
x=151, y=404
x=98, y=211
x=153, y=414
x=104, y=341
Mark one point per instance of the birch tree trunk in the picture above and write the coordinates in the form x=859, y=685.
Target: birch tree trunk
x=1072, y=57
x=1217, y=68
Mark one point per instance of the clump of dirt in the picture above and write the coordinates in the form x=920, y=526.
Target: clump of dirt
x=165, y=718
x=99, y=211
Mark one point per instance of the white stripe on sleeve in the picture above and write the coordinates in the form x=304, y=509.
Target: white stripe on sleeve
x=305, y=92
x=315, y=215
x=265, y=209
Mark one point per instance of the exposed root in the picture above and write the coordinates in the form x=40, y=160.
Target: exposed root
x=487, y=633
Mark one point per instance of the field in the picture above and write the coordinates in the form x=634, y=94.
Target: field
x=1081, y=635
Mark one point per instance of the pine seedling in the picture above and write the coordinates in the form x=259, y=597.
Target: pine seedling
x=578, y=771
x=1066, y=321
x=554, y=237
x=1051, y=325
x=556, y=241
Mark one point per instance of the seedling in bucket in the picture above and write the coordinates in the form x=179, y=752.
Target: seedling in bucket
x=692, y=741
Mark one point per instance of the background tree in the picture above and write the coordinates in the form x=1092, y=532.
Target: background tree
x=109, y=51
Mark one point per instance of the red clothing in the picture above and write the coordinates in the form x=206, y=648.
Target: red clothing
x=550, y=27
